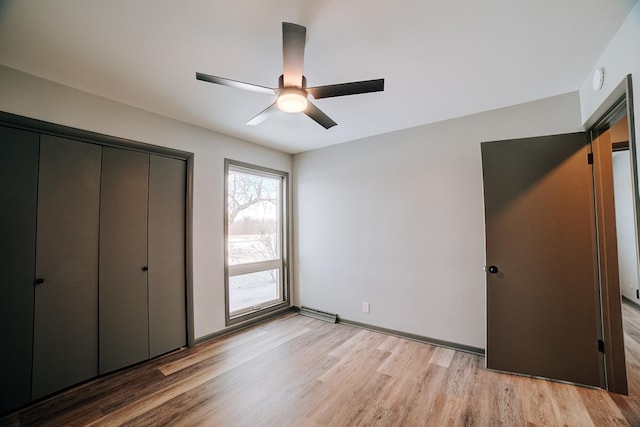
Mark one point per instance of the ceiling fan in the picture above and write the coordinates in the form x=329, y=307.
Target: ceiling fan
x=292, y=91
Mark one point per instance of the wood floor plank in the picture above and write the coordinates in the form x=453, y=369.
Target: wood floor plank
x=463, y=371
x=442, y=357
x=568, y=404
x=629, y=407
x=602, y=409
x=406, y=358
x=478, y=396
x=504, y=407
x=451, y=412
x=348, y=388
x=540, y=409
x=426, y=390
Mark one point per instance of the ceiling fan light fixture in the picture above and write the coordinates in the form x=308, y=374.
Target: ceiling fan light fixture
x=292, y=100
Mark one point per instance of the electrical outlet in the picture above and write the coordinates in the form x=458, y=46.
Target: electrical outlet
x=365, y=307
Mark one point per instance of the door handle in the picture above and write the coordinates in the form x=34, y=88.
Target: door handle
x=145, y=268
x=492, y=269
x=39, y=281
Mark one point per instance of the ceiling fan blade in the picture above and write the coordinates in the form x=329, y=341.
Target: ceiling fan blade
x=236, y=84
x=321, y=118
x=342, y=89
x=293, y=40
x=263, y=115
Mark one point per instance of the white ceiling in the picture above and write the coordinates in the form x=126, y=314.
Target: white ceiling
x=440, y=59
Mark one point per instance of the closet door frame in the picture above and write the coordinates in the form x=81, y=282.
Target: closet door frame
x=47, y=128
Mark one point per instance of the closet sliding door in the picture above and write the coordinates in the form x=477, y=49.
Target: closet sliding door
x=18, y=204
x=65, y=344
x=167, y=295
x=124, y=318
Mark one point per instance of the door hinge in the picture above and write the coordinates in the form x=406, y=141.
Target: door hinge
x=590, y=158
x=601, y=346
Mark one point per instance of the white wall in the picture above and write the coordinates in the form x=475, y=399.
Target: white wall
x=36, y=98
x=620, y=58
x=625, y=224
x=397, y=221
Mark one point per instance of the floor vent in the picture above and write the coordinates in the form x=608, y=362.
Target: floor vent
x=320, y=315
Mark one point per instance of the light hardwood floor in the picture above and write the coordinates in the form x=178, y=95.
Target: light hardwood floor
x=297, y=371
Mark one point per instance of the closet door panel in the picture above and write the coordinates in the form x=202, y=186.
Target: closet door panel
x=124, y=327
x=167, y=300
x=18, y=204
x=65, y=348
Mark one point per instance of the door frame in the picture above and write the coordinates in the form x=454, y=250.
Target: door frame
x=26, y=123
x=615, y=365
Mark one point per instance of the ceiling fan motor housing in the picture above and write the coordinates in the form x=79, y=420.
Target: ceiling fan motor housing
x=281, y=82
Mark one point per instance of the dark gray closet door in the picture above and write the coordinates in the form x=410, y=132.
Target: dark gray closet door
x=65, y=348
x=18, y=202
x=124, y=327
x=167, y=303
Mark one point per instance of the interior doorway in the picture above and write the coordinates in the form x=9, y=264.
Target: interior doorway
x=616, y=198
x=627, y=243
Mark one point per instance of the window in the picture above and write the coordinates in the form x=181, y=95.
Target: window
x=256, y=240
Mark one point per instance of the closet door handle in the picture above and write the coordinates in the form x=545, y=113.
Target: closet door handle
x=145, y=268
x=39, y=281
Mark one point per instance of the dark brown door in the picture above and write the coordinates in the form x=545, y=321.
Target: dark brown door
x=542, y=293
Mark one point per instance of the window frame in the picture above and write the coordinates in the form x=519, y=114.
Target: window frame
x=281, y=264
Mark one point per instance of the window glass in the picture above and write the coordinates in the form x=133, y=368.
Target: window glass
x=252, y=202
x=251, y=290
